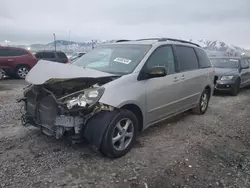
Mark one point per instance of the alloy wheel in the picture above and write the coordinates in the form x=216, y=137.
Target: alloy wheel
x=22, y=72
x=204, y=101
x=123, y=134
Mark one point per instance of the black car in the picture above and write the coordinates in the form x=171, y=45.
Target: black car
x=231, y=74
x=56, y=56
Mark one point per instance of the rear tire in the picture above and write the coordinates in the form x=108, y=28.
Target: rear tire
x=202, y=106
x=120, y=135
x=22, y=71
x=236, y=89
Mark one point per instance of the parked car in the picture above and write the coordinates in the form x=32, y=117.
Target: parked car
x=131, y=86
x=56, y=56
x=231, y=74
x=16, y=61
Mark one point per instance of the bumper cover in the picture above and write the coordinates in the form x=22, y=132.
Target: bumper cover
x=224, y=85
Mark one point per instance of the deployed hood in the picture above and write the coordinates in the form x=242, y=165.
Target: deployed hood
x=225, y=72
x=44, y=71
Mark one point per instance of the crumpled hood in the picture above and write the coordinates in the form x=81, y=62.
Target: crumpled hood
x=225, y=72
x=46, y=70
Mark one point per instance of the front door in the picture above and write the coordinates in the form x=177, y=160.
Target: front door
x=162, y=93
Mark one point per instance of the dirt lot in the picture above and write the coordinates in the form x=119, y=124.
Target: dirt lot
x=188, y=151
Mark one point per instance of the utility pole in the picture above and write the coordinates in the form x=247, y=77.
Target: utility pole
x=54, y=40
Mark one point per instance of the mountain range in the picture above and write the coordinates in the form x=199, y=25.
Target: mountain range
x=213, y=48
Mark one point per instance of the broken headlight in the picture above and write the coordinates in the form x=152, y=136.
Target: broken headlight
x=89, y=97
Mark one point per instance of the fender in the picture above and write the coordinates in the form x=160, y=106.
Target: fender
x=96, y=127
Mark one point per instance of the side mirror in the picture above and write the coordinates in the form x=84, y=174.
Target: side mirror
x=158, y=71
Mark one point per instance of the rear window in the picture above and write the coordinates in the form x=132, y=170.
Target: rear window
x=48, y=55
x=61, y=55
x=39, y=55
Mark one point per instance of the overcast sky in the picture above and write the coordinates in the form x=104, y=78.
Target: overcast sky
x=35, y=21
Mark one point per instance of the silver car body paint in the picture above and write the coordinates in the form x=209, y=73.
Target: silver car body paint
x=158, y=98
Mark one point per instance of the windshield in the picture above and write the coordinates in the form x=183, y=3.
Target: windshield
x=116, y=58
x=225, y=63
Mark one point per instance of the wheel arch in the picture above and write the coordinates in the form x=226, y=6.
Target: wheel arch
x=22, y=64
x=136, y=110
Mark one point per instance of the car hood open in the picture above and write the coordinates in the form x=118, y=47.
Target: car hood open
x=44, y=71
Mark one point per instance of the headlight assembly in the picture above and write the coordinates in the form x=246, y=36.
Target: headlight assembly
x=226, y=77
x=89, y=97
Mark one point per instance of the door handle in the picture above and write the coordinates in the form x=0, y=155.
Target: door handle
x=10, y=59
x=182, y=77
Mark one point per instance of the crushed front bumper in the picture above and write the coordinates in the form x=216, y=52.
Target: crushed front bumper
x=50, y=117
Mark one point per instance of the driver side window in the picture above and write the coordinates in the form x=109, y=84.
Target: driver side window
x=162, y=56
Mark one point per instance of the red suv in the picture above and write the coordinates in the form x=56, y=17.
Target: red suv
x=16, y=61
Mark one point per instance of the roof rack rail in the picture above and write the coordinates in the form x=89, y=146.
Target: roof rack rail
x=170, y=39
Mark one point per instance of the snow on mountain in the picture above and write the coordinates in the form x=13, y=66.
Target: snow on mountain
x=213, y=48
x=220, y=47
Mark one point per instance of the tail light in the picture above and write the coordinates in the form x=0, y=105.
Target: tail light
x=68, y=61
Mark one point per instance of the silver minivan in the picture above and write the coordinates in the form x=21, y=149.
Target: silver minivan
x=117, y=90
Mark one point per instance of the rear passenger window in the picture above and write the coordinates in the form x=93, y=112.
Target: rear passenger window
x=162, y=56
x=187, y=58
x=48, y=55
x=62, y=55
x=18, y=53
x=204, y=61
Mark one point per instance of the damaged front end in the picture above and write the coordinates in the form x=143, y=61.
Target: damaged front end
x=64, y=107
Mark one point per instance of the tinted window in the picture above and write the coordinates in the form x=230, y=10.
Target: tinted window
x=9, y=52
x=39, y=55
x=4, y=52
x=187, y=58
x=162, y=56
x=61, y=55
x=203, y=58
x=48, y=55
x=17, y=53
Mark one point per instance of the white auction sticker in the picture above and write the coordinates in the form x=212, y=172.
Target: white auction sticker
x=122, y=60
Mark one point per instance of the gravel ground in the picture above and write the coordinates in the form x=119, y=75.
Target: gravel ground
x=188, y=151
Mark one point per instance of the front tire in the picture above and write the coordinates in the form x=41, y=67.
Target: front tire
x=202, y=106
x=120, y=135
x=236, y=89
x=22, y=71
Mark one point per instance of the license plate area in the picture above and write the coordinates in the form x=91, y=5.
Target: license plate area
x=65, y=121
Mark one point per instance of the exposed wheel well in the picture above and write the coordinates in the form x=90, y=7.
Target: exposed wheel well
x=138, y=113
x=209, y=90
